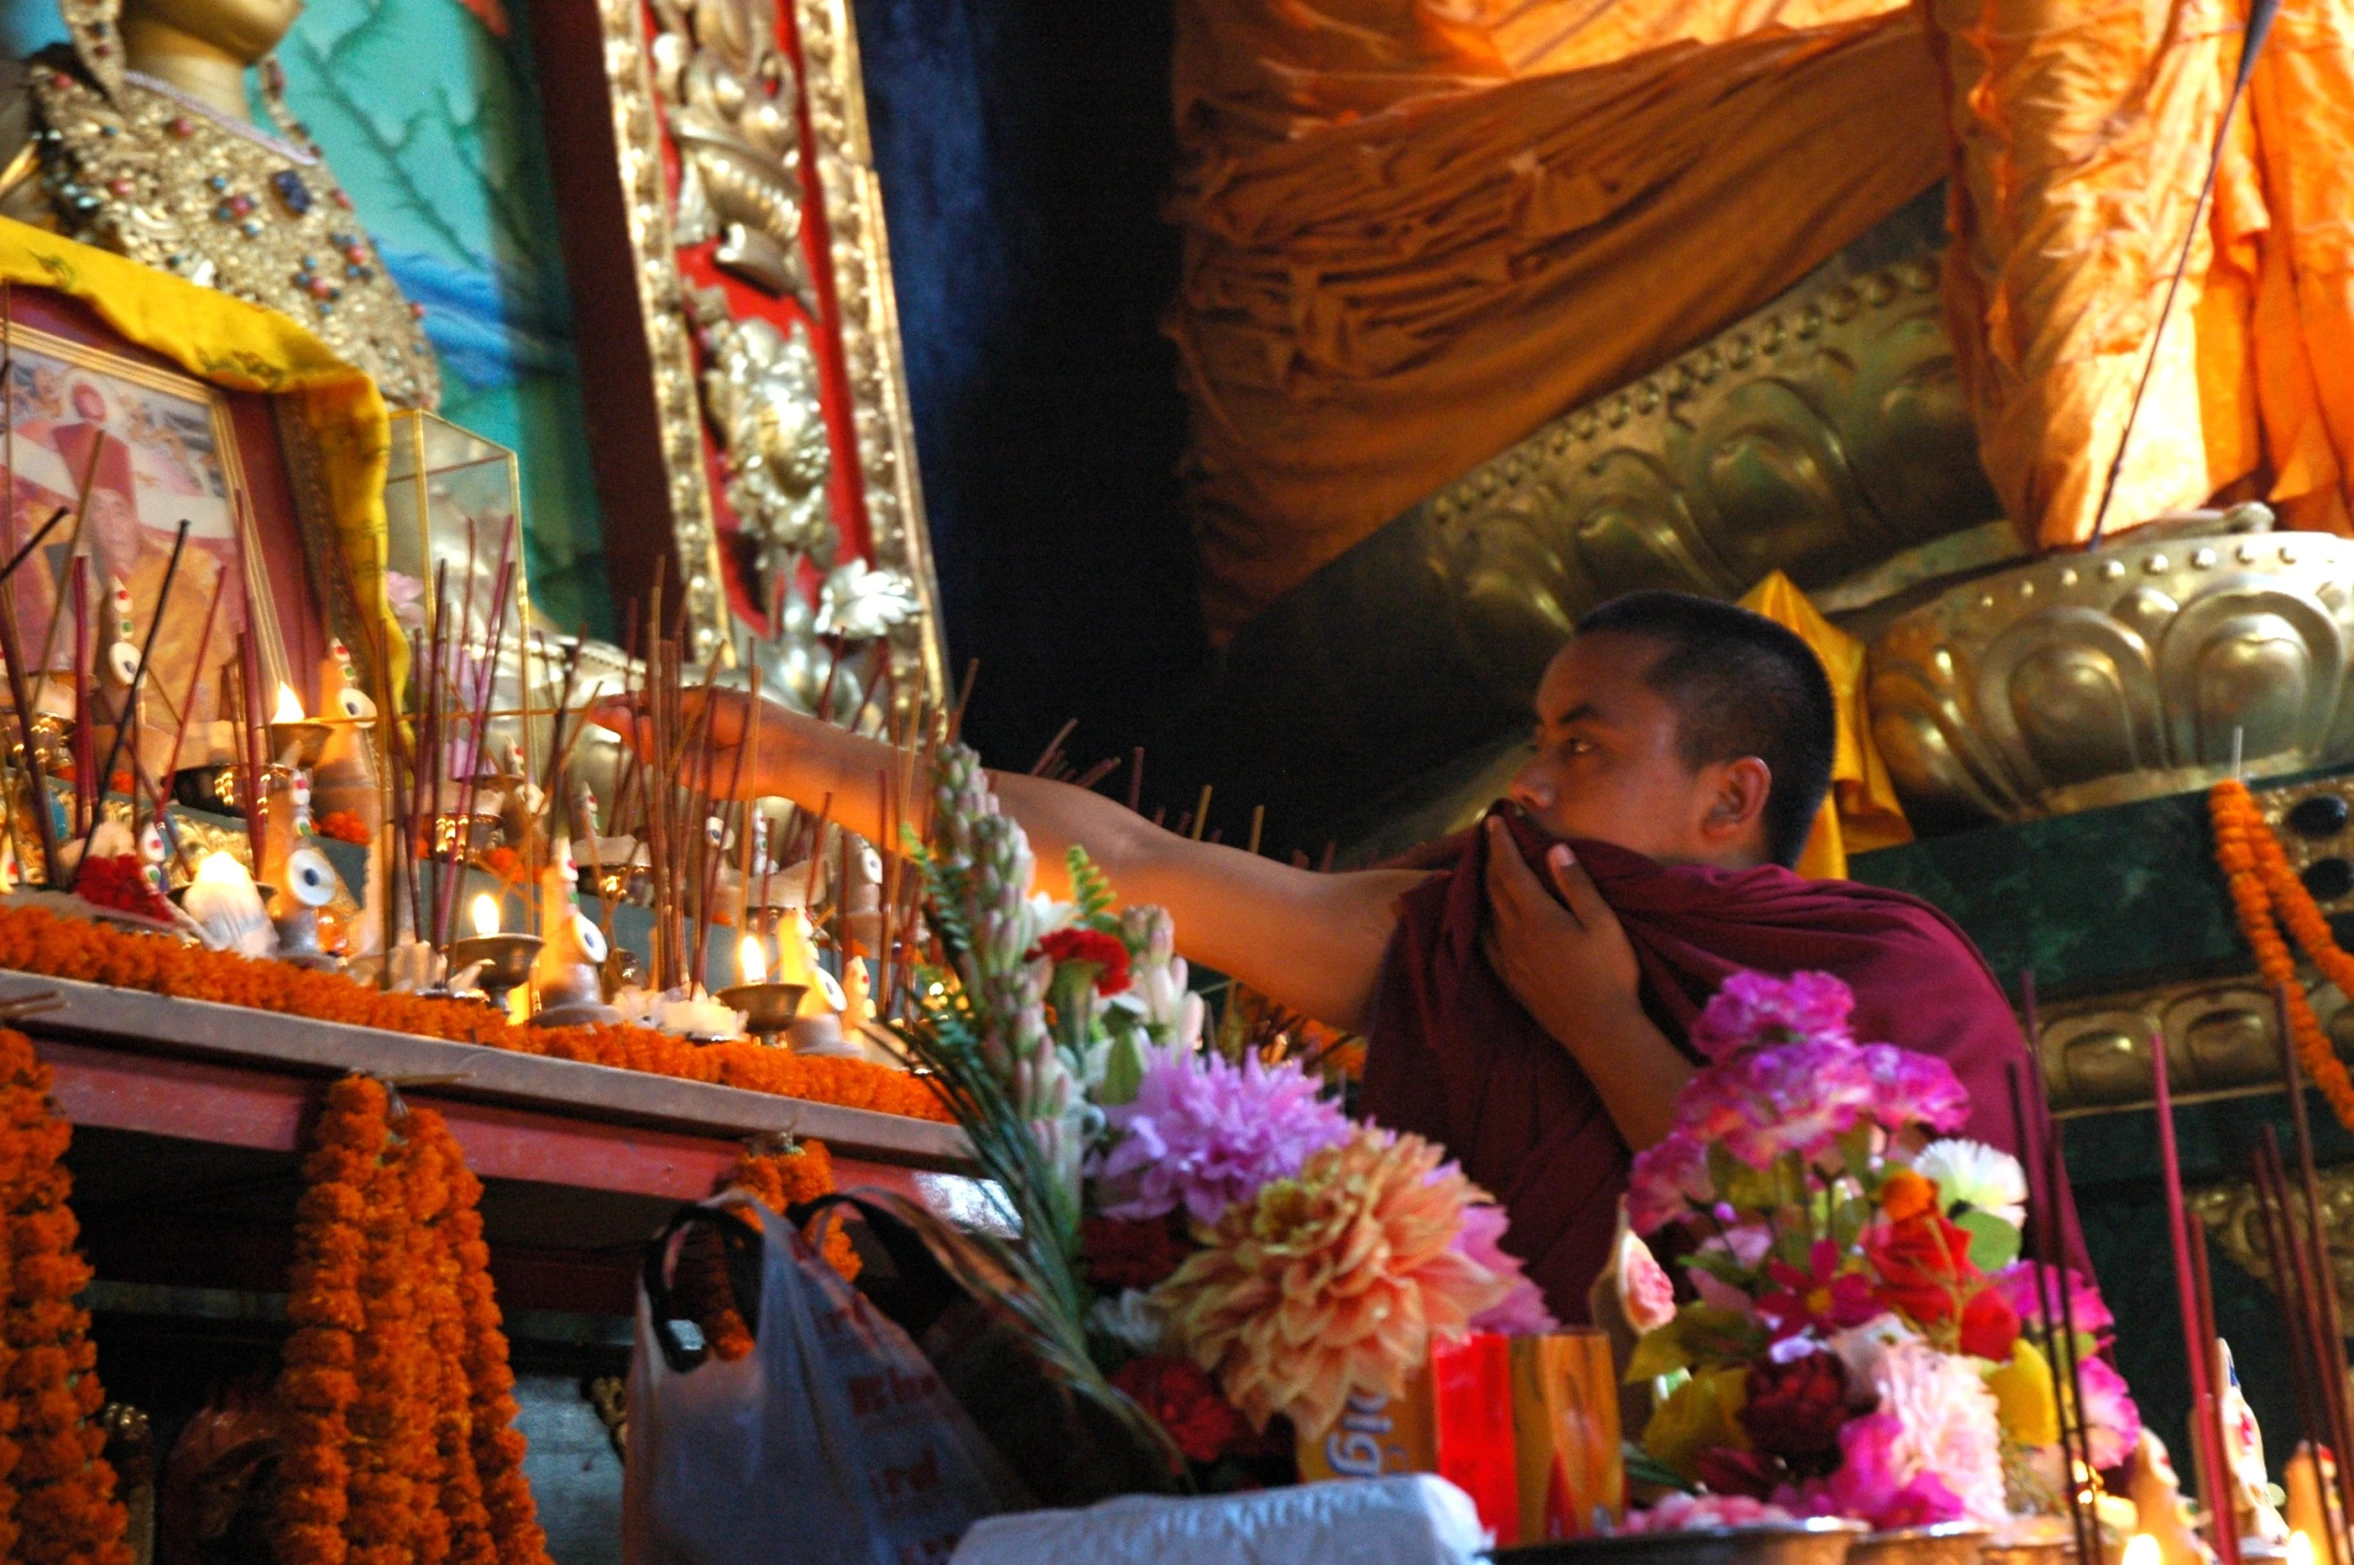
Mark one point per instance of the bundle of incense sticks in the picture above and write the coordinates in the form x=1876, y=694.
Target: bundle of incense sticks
x=2040, y=1156
x=2194, y=1297
x=2305, y=1281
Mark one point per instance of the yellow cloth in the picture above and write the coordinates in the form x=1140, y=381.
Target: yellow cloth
x=1861, y=812
x=2080, y=134
x=245, y=348
x=1415, y=232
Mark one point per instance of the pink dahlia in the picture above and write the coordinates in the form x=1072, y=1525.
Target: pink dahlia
x=1335, y=1283
x=2112, y=1423
x=1202, y=1134
x=2019, y=1283
x=1949, y=1427
x=1481, y=1239
x=1751, y=1010
x=1877, y=1482
x=1914, y=1089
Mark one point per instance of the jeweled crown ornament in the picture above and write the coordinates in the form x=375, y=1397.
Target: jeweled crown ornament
x=144, y=149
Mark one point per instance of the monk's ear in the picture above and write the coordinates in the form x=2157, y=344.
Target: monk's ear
x=1739, y=807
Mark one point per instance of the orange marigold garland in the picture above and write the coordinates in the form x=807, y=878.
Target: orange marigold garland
x=388, y=1413
x=496, y=1443
x=317, y=1384
x=2268, y=897
x=777, y=1180
x=401, y=1443
x=63, y=1491
x=35, y=940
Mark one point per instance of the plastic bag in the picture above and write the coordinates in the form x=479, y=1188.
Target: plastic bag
x=831, y=1442
x=1415, y=1520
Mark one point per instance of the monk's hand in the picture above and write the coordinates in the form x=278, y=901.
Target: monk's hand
x=703, y=746
x=1566, y=961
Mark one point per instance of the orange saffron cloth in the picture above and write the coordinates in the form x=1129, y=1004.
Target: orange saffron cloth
x=2079, y=138
x=1414, y=233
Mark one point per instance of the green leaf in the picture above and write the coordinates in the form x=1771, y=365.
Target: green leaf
x=1123, y=1071
x=1994, y=1244
x=1657, y=1353
x=1749, y=1189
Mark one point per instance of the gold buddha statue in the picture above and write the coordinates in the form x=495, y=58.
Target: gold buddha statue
x=135, y=137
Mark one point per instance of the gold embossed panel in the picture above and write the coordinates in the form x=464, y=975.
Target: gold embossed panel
x=756, y=243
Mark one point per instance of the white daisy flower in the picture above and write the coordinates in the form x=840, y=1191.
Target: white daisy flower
x=1973, y=1174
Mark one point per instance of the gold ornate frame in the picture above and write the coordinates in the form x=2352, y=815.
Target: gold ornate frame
x=834, y=104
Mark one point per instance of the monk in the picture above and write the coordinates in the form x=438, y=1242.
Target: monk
x=1527, y=1003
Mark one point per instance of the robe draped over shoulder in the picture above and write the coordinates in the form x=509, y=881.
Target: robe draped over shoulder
x=1454, y=1057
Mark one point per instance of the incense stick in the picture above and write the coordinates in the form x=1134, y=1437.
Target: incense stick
x=2325, y=1283
x=129, y=717
x=2207, y=1460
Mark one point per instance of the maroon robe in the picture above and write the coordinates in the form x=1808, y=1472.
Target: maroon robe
x=1454, y=1057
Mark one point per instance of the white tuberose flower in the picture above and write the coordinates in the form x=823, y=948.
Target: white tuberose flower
x=1974, y=1174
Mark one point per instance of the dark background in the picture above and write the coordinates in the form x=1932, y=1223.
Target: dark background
x=1023, y=147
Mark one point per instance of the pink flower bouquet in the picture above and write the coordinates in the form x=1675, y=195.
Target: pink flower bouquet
x=1860, y=1337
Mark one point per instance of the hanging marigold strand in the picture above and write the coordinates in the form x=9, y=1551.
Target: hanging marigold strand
x=382, y=1526
x=318, y=1382
x=498, y=1446
x=65, y=1505
x=464, y=1523
x=778, y=1180
x=2267, y=896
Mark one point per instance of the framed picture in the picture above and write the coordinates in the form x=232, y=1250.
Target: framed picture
x=151, y=448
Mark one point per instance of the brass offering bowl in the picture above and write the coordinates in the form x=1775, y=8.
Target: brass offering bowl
x=768, y=1008
x=1949, y=1543
x=506, y=959
x=1816, y=1540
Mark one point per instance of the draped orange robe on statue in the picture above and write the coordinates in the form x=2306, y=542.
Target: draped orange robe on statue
x=1414, y=232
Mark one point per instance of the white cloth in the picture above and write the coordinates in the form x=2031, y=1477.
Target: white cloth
x=1414, y=1520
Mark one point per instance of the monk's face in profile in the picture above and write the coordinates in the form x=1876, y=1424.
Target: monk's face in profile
x=1610, y=766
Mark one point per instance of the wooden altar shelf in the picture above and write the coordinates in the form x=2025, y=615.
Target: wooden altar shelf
x=189, y=1118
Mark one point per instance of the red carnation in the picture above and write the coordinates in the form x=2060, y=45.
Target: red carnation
x=1795, y=1409
x=1990, y=1327
x=1727, y=1471
x=1107, y=952
x=1131, y=1254
x=120, y=882
x=1176, y=1392
x=1924, y=1267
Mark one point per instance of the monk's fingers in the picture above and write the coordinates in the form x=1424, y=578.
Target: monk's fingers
x=1577, y=888
x=1510, y=884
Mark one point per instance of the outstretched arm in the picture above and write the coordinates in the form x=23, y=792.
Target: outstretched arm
x=1313, y=943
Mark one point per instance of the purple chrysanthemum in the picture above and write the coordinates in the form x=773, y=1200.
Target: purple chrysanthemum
x=1754, y=1009
x=1203, y=1134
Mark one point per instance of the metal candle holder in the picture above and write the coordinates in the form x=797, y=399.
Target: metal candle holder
x=306, y=737
x=505, y=957
x=768, y=1008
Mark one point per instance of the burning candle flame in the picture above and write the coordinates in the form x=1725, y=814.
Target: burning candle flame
x=289, y=705
x=751, y=961
x=2300, y=1549
x=2143, y=1550
x=486, y=914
